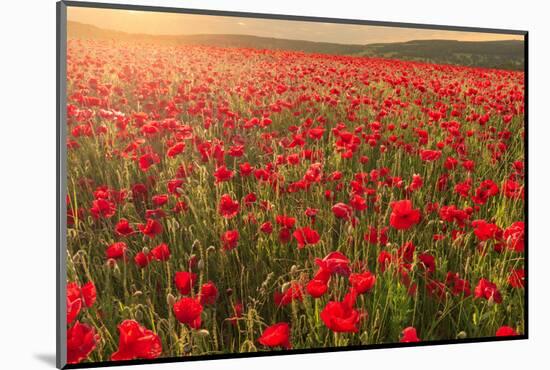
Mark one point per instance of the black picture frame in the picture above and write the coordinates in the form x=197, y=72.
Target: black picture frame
x=61, y=173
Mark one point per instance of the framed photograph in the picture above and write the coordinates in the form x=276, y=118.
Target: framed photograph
x=235, y=185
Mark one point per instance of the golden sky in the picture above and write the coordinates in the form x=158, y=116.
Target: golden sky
x=133, y=21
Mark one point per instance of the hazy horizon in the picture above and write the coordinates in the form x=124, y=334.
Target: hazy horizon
x=155, y=23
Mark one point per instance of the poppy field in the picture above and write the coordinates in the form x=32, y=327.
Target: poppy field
x=234, y=200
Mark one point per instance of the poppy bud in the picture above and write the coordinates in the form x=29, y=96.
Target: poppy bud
x=491, y=301
x=145, y=250
x=211, y=249
x=111, y=263
x=170, y=299
x=203, y=333
x=285, y=286
x=293, y=269
x=137, y=293
x=187, y=348
x=461, y=335
x=200, y=265
x=139, y=315
x=229, y=292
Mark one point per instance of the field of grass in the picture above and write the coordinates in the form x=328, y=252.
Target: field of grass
x=240, y=200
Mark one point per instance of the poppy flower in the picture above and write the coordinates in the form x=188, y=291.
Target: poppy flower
x=184, y=281
x=228, y=208
x=316, y=288
x=277, y=335
x=102, y=208
x=514, y=236
x=160, y=200
x=408, y=335
x=292, y=293
x=175, y=149
x=403, y=215
x=188, y=311
x=342, y=210
x=123, y=228
x=208, y=293
x=334, y=263
x=147, y=160
x=223, y=174
x=160, y=253
x=428, y=155
x=81, y=341
x=136, y=342
x=116, y=250
x=306, y=236
x=286, y=221
x=266, y=228
x=341, y=317
x=230, y=239
x=517, y=278
x=362, y=282
x=151, y=228
x=141, y=259
x=88, y=293
x=485, y=230
x=506, y=331
x=74, y=301
x=486, y=289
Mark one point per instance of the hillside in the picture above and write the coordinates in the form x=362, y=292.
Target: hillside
x=489, y=54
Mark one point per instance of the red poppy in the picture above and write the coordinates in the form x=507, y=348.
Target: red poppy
x=342, y=210
x=485, y=230
x=228, y=207
x=184, y=281
x=230, y=239
x=362, y=282
x=208, y=293
x=116, y=250
x=334, y=263
x=408, y=335
x=515, y=236
x=160, y=200
x=403, y=215
x=506, y=331
x=266, y=227
x=88, y=293
x=81, y=341
x=136, y=342
x=306, y=236
x=102, y=208
x=175, y=149
x=286, y=221
x=277, y=335
x=141, y=259
x=517, y=278
x=428, y=155
x=341, y=317
x=293, y=292
x=151, y=228
x=123, y=228
x=223, y=174
x=74, y=301
x=147, y=160
x=316, y=288
x=188, y=311
x=160, y=253
x=486, y=289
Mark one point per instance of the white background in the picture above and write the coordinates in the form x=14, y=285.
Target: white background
x=27, y=182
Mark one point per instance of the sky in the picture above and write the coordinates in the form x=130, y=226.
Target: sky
x=156, y=23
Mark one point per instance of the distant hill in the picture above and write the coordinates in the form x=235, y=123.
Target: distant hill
x=489, y=54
